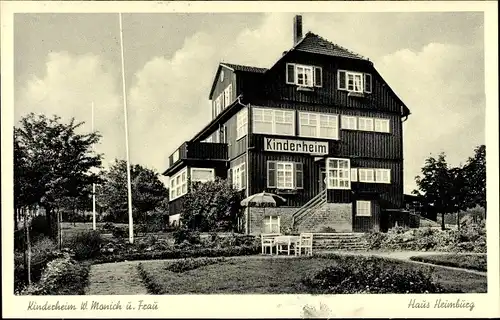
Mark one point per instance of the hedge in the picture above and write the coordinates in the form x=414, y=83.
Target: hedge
x=466, y=261
x=180, y=253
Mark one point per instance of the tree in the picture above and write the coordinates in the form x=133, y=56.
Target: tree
x=52, y=161
x=475, y=175
x=148, y=192
x=210, y=206
x=436, y=187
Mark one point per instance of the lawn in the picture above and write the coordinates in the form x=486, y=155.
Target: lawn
x=458, y=260
x=253, y=275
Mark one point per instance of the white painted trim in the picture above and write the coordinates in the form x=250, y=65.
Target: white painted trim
x=348, y=179
x=318, y=125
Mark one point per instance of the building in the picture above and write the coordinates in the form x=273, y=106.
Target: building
x=320, y=127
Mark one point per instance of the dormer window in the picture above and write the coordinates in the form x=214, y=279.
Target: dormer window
x=357, y=82
x=303, y=75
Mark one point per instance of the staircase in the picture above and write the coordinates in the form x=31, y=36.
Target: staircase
x=339, y=241
x=311, y=206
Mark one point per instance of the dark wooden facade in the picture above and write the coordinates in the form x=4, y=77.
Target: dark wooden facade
x=258, y=88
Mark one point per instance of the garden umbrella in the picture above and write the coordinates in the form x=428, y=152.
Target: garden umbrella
x=263, y=199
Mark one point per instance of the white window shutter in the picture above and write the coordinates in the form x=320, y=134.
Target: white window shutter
x=354, y=174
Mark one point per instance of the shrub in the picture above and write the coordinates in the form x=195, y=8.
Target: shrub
x=42, y=252
x=182, y=235
x=63, y=276
x=119, y=232
x=108, y=226
x=86, y=244
x=150, y=282
x=355, y=274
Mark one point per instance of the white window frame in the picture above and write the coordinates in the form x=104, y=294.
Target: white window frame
x=335, y=173
x=286, y=167
x=218, y=105
x=270, y=221
x=363, y=208
x=228, y=92
x=178, y=184
x=272, y=113
x=175, y=156
x=209, y=139
x=305, y=68
x=383, y=175
x=365, y=124
x=366, y=175
x=349, y=122
x=212, y=172
x=381, y=125
x=239, y=176
x=360, y=76
x=241, y=123
x=307, y=71
x=306, y=117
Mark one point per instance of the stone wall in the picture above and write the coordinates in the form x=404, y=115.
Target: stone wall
x=256, y=216
x=331, y=217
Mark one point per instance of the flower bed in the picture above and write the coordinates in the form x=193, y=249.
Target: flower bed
x=358, y=274
x=470, y=238
x=63, y=276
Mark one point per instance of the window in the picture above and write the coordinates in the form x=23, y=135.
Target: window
x=365, y=124
x=382, y=125
x=366, y=175
x=273, y=121
x=285, y=175
x=202, y=174
x=271, y=224
x=228, y=95
x=318, y=125
x=175, y=156
x=178, y=184
x=354, y=81
x=304, y=76
x=383, y=175
x=338, y=173
x=239, y=177
x=242, y=123
x=375, y=175
x=363, y=208
x=348, y=122
x=218, y=106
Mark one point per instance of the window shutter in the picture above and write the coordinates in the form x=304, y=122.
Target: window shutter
x=299, y=175
x=290, y=73
x=354, y=174
x=341, y=80
x=271, y=174
x=368, y=83
x=230, y=176
x=317, y=77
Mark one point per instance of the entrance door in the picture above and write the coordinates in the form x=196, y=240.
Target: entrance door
x=322, y=179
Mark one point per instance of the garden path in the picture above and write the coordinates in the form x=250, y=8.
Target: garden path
x=121, y=278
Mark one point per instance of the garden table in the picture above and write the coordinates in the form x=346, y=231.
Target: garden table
x=285, y=240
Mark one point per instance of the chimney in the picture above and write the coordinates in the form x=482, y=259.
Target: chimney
x=297, y=29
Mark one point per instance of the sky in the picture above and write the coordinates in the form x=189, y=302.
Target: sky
x=65, y=62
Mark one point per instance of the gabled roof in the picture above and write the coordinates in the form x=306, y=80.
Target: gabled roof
x=238, y=67
x=234, y=67
x=313, y=43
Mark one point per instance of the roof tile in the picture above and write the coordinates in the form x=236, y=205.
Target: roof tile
x=316, y=44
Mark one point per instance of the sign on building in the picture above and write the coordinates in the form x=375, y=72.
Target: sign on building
x=296, y=146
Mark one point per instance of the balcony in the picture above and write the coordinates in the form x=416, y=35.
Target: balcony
x=197, y=151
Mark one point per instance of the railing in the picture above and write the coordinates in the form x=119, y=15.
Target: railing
x=199, y=150
x=311, y=205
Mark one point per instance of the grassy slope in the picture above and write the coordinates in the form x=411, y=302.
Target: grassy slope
x=271, y=275
x=466, y=261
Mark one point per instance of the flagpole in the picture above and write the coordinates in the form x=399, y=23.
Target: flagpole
x=129, y=189
x=93, y=184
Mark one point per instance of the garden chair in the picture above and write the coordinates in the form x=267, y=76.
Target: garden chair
x=267, y=241
x=305, y=242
